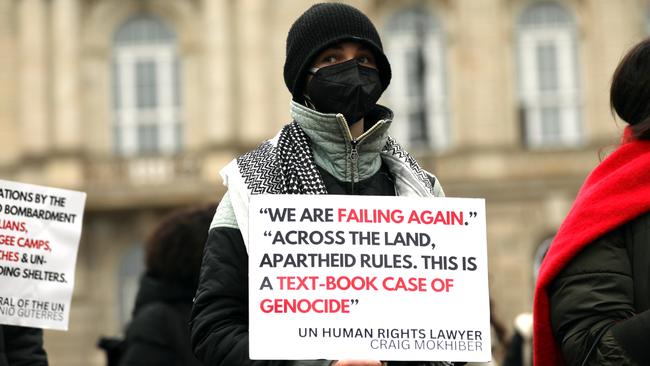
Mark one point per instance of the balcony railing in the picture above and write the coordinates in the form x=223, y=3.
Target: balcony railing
x=143, y=171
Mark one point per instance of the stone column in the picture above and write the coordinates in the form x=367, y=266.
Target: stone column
x=66, y=74
x=481, y=110
x=217, y=73
x=253, y=69
x=32, y=71
x=9, y=145
x=605, y=30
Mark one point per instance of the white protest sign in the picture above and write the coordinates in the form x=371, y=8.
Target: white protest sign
x=368, y=277
x=40, y=229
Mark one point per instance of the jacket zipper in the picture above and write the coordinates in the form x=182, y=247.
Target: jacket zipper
x=354, y=152
x=354, y=157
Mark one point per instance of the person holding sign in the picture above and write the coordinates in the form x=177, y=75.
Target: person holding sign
x=21, y=346
x=592, y=299
x=338, y=143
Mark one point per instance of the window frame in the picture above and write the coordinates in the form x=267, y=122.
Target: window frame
x=129, y=117
x=400, y=43
x=533, y=100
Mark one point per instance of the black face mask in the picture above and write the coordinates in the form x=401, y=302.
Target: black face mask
x=347, y=88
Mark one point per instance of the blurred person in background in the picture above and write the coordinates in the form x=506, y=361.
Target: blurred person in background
x=520, y=345
x=159, y=331
x=519, y=350
x=592, y=298
x=338, y=143
x=21, y=346
x=498, y=336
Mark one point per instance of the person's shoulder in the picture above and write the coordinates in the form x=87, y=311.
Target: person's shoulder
x=224, y=215
x=153, y=315
x=640, y=223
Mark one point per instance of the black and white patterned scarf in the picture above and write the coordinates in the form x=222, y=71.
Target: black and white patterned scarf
x=288, y=167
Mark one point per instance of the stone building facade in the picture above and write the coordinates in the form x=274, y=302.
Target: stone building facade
x=139, y=103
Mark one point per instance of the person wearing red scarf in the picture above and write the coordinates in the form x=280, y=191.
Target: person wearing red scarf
x=592, y=297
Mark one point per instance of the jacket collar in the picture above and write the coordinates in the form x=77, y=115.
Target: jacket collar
x=332, y=142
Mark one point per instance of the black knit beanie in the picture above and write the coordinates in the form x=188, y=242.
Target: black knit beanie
x=321, y=26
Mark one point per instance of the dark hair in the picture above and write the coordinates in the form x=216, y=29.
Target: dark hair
x=174, y=250
x=630, y=90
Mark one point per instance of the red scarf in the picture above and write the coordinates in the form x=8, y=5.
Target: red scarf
x=617, y=191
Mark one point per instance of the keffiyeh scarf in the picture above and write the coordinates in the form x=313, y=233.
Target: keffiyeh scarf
x=285, y=165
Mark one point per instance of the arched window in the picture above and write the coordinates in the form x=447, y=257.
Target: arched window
x=146, y=90
x=417, y=94
x=548, y=82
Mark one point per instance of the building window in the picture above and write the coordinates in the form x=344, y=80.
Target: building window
x=549, y=94
x=146, y=90
x=414, y=44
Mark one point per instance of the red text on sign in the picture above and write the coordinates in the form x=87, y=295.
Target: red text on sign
x=305, y=306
